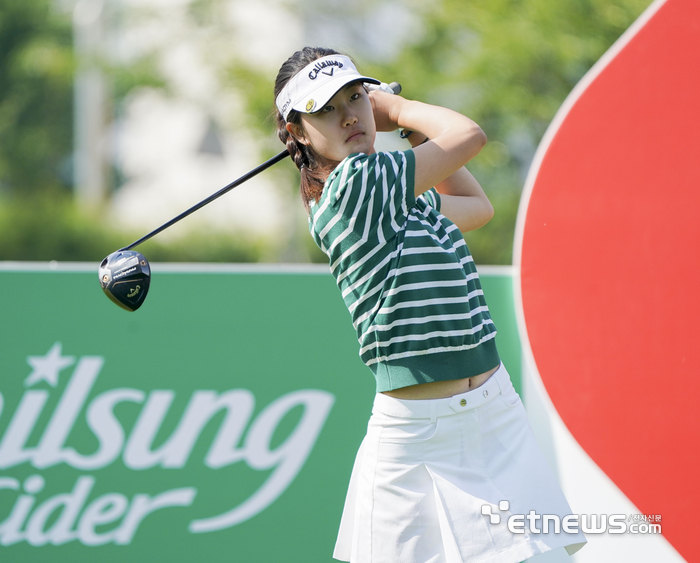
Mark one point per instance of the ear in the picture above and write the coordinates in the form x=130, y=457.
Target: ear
x=296, y=131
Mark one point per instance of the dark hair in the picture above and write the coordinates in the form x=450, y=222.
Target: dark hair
x=314, y=168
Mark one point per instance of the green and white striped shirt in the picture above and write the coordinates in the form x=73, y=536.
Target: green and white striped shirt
x=405, y=273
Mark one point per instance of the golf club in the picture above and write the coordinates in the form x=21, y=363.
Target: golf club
x=125, y=275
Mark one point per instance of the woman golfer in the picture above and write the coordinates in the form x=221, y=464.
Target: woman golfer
x=448, y=459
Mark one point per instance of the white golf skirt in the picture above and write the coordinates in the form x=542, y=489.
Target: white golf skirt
x=436, y=481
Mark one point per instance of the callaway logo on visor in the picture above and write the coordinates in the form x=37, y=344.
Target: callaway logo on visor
x=318, y=82
x=320, y=66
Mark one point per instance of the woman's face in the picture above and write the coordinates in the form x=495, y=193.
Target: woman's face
x=345, y=125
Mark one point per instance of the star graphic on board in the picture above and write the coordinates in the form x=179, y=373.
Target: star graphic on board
x=46, y=368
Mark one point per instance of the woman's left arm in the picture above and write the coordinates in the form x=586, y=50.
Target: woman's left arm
x=463, y=199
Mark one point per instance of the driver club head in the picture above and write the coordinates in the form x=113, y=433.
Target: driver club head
x=125, y=276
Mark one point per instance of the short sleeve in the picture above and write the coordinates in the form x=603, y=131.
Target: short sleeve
x=367, y=197
x=431, y=198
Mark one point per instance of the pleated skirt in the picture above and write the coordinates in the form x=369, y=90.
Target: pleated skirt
x=436, y=481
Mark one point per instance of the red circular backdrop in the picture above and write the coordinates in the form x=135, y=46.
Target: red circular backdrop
x=609, y=267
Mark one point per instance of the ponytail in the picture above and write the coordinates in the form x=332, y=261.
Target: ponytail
x=313, y=169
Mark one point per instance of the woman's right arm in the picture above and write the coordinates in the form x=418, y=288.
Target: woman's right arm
x=454, y=138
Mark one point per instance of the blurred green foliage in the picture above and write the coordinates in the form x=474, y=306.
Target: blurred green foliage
x=38, y=218
x=508, y=64
x=37, y=71
x=52, y=227
x=36, y=95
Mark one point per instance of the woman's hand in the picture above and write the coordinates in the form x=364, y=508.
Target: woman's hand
x=453, y=140
x=386, y=109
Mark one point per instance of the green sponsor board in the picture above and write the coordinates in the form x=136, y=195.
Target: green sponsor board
x=217, y=423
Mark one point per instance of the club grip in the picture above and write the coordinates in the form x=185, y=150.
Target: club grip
x=393, y=88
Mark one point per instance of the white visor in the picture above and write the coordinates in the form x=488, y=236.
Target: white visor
x=312, y=87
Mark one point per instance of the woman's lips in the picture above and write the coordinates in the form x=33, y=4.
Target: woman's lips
x=354, y=136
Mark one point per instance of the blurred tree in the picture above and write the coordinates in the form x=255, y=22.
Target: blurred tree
x=37, y=70
x=36, y=73
x=508, y=64
x=52, y=227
